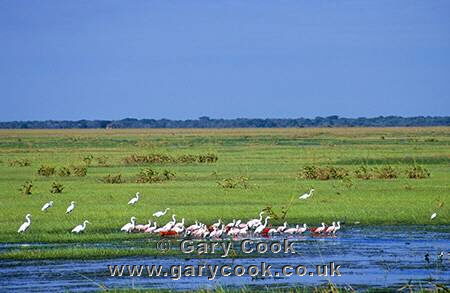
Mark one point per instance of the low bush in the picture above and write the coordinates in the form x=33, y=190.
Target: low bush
x=323, y=173
x=79, y=171
x=164, y=159
x=417, y=172
x=26, y=187
x=149, y=175
x=63, y=172
x=46, y=171
x=56, y=187
x=112, y=179
x=385, y=172
x=364, y=172
x=19, y=163
x=234, y=182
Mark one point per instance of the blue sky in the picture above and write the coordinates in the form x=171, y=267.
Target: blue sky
x=184, y=59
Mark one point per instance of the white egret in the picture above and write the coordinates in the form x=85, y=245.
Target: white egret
x=434, y=215
x=306, y=195
x=25, y=225
x=160, y=213
x=255, y=222
x=260, y=228
x=46, y=206
x=128, y=227
x=135, y=199
x=70, y=207
x=81, y=227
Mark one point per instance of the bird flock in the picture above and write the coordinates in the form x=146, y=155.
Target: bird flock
x=237, y=228
x=217, y=230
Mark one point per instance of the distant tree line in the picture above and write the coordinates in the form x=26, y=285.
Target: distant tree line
x=206, y=122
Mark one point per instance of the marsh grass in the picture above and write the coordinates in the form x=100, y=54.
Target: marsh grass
x=270, y=157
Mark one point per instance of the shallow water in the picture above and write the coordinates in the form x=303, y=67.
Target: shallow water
x=369, y=257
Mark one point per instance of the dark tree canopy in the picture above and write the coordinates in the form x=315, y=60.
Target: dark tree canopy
x=206, y=122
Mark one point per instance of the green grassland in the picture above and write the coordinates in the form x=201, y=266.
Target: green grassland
x=271, y=159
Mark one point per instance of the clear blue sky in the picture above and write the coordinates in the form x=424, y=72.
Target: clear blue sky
x=184, y=59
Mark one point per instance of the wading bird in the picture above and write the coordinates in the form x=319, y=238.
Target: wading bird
x=70, y=207
x=81, y=227
x=152, y=228
x=260, y=228
x=337, y=227
x=255, y=222
x=319, y=229
x=282, y=228
x=434, y=215
x=128, y=227
x=142, y=228
x=135, y=199
x=160, y=213
x=292, y=230
x=302, y=229
x=331, y=228
x=306, y=195
x=46, y=206
x=25, y=225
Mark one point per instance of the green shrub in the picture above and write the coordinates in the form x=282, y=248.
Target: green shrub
x=312, y=172
x=26, y=187
x=46, y=171
x=102, y=161
x=364, y=172
x=417, y=172
x=63, y=172
x=112, y=179
x=234, y=182
x=386, y=172
x=88, y=159
x=19, y=163
x=149, y=175
x=56, y=187
x=79, y=171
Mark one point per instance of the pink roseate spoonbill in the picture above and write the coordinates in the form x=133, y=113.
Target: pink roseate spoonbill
x=307, y=195
x=292, y=230
x=70, y=208
x=331, y=228
x=337, y=227
x=434, y=215
x=272, y=231
x=135, y=199
x=25, y=225
x=152, y=228
x=129, y=226
x=240, y=225
x=179, y=225
x=319, y=229
x=282, y=228
x=260, y=228
x=255, y=222
x=193, y=226
x=302, y=229
x=80, y=228
x=142, y=227
x=243, y=231
x=46, y=206
x=159, y=214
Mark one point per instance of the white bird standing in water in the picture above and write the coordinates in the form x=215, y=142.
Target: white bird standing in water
x=306, y=195
x=261, y=227
x=70, y=207
x=46, y=206
x=135, y=199
x=160, y=213
x=81, y=227
x=128, y=227
x=25, y=225
x=255, y=222
x=434, y=215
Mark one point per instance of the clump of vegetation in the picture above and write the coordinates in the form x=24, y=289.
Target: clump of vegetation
x=323, y=173
x=364, y=172
x=26, y=187
x=207, y=158
x=56, y=187
x=386, y=172
x=234, y=182
x=102, y=161
x=63, y=172
x=112, y=179
x=46, y=171
x=88, y=159
x=417, y=172
x=164, y=159
x=19, y=163
x=149, y=175
x=79, y=171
